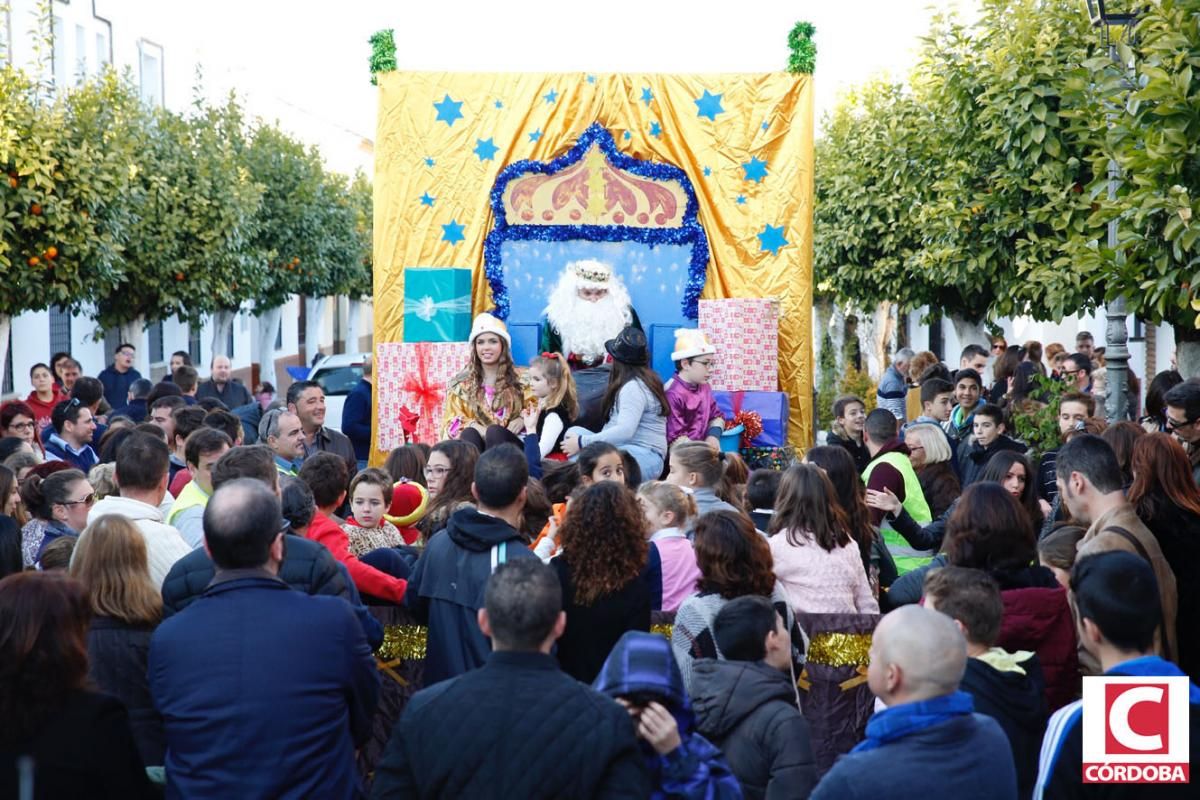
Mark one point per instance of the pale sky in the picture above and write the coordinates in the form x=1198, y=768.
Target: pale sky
x=312, y=56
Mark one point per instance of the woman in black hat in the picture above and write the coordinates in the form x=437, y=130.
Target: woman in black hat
x=635, y=407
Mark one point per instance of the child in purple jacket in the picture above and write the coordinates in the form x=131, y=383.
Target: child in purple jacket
x=692, y=412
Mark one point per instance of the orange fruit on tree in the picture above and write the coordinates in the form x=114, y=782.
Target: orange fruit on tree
x=13, y=182
x=178, y=276
x=34, y=261
x=36, y=210
x=51, y=252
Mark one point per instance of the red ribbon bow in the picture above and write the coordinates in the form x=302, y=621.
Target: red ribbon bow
x=551, y=355
x=427, y=394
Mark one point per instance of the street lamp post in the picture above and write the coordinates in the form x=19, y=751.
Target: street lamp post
x=1116, y=335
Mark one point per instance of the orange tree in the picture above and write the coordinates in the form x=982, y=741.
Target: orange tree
x=195, y=210
x=352, y=273
x=60, y=231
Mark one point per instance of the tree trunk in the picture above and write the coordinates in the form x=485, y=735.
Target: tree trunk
x=353, y=314
x=1187, y=351
x=314, y=318
x=968, y=333
x=222, y=325
x=267, y=327
x=874, y=335
x=5, y=329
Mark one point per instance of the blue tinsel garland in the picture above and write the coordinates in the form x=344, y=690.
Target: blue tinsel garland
x=690, y=232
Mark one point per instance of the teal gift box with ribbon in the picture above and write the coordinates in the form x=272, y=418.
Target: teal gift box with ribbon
x=437, y=304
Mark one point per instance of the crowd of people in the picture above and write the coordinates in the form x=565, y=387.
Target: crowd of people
x=190, y=575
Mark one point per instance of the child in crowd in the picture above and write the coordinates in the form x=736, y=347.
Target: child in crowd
x=597, y=462
x=1056, y=551
x=989, y=439
x=693, y=412
x=1006, y=686
x=701, y=469
x=634, y=406
x=370, y=497
x=761, y=489
x=553, y=386
x=449, y=471
x=668, y=509
x=641, y=675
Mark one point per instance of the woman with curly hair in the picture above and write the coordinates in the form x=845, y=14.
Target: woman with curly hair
x=79, y=740
x=734, y=561
x=603, y=571
x=484, y=401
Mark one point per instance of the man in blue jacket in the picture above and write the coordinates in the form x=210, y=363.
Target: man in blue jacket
x=356, y=415
x=264, y=691
x=928, y=740
x=445, y=589
x=118, y=376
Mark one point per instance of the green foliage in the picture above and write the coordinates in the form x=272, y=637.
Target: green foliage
x=856, y=382
x=1036, y=422
x=803, y=58
x=60, y=233
x=360, y=283
x=383, y=52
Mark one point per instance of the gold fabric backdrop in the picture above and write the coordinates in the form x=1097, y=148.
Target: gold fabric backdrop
x=744, y=140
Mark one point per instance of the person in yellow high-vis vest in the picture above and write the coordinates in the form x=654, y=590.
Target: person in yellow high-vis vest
x=891, y=469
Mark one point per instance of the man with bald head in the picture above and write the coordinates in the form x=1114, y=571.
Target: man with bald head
x=223, y=386
x=251, y=701
x=928, y=741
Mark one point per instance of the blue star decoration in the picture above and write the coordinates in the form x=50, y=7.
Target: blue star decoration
x=628, y=136
x=756, y=169
x=485, y=149
x=429, y=162
x=427, y=199
x=591, y=78
x=707, y=171
x=448, y=111
x=656, y=129
x=772, y=238
x=741, y=199
x=766, y=124
x=550, y=96
x=453, y=233
x=499, y=104
x=533, y=137
x=647, y=95
x=709, y=105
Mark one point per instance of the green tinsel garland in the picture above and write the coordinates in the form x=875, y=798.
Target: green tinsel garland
x=803, y=59
x=383, y=53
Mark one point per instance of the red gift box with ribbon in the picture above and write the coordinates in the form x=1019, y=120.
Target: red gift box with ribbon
x=746, y=333
x=411, y=380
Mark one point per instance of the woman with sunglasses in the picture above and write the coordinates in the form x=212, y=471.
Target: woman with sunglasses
x=58, y=502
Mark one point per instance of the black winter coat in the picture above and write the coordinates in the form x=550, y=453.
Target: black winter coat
x=445, y=589
x=748, y=709
x=1178, y=534
x=972, y=457
x=307, y=567
x=517, y=727
x=117, y=655
x=1016, y=701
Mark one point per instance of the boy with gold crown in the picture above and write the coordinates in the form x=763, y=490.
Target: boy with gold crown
x=692, y=410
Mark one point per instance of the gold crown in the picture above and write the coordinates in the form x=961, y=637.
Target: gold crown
x=593, y=274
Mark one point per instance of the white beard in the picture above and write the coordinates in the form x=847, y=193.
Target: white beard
x=583, y=325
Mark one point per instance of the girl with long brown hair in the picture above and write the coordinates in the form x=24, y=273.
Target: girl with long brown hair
x=1167, y=502
x=449, y=472
x=111, y=564
x=601, y=566
x=79, y=740
x=484, y=401
x=816, y=559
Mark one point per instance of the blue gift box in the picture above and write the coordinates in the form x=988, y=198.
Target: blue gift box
x=771, y=406
x=437, y=304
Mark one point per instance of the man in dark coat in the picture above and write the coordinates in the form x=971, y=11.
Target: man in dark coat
x=518, y=726
x=356, y=414
x=119, y=376
x=307, y=566
x=928, y=740
x=264, y=691
x=747, y=706
x=445, y=589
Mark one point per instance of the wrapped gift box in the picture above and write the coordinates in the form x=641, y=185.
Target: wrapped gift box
x=772, y=407
x=746, y=333
x=411, y=378
x=437, y=304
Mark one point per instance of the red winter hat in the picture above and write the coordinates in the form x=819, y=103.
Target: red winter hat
x=410, y=500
